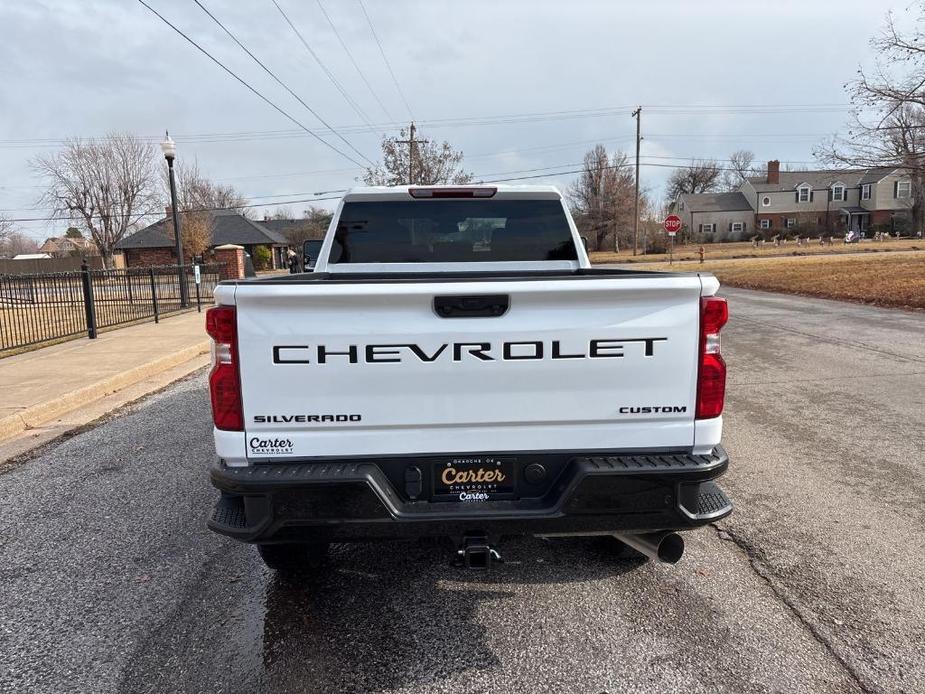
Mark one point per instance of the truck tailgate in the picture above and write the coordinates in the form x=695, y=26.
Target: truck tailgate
x=369, y=368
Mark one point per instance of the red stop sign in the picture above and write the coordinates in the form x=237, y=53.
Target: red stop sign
x=672, y=224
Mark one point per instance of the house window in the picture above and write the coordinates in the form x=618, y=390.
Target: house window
x=803, y=193
x=737, y=226
x=765, y=223
x=790, y=223
x=903, y=189
x=681, y=205
x=838, y=192
x=766, y=201
x=707, y=228
x=865, y=191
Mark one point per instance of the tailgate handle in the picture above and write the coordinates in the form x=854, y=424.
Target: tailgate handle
x=480, y=306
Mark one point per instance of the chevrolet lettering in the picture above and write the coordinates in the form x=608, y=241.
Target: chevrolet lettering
x=519, y=350
x=454, y=367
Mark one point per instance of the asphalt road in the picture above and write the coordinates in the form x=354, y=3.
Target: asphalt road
x=110, y=582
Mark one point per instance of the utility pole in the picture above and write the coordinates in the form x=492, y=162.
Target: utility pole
x=637, y=115
x=411, y=142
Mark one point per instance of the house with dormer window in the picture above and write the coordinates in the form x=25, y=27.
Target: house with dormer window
x=824, y=202
x=830, y=201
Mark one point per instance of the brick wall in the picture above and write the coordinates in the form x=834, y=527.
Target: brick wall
x=804, y=220
x=147, y=257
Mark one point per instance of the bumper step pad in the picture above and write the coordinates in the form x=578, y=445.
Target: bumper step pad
x=712, y=503
x=229, y=512
x=654, y=463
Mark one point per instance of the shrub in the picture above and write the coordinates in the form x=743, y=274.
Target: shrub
x=261, y=258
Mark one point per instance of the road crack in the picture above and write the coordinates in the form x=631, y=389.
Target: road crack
x=761, y=568
x=832, y=340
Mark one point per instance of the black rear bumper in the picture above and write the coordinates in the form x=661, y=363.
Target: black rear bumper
x=362, y=500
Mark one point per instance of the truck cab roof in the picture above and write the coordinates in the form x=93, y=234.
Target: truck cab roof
x=478, y=190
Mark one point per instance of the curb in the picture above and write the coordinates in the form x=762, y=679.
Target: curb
x=36, y=415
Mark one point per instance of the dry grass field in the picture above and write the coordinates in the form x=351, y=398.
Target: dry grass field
x=722, y=251
x=881, y=279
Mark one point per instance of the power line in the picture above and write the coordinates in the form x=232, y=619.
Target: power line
x=481, y=178
x=161, y=214
x=541, y=148
x=279, y=81
x=289, y=174
x=385, y=59
x=564, y=145
x=353, y=60
x=716, y=159
x=258, y=134
x=583, y=169
x=252, y=89
x=750, y=108
x=330, y=75
x=515, y=118
x=261, y=196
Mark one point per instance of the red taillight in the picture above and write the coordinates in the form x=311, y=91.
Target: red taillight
x=481, y=192
x=224, y=382
x=711, y=376
x=221, y=324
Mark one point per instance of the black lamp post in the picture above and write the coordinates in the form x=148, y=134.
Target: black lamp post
x=169, y=148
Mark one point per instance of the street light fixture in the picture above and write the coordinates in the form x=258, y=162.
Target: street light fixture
x=169, y=148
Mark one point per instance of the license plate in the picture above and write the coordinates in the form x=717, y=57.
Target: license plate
x=474, y=479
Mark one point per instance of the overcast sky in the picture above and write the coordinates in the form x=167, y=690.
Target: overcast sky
x=86, y=67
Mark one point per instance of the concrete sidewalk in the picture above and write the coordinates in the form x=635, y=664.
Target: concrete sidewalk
x=53, y=389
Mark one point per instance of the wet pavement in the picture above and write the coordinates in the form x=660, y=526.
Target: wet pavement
x=110, y=581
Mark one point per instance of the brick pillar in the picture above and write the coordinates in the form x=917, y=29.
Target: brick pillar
x=231, y=258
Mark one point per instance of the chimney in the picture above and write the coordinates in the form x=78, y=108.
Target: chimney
x=774, y=171
x=168, y=211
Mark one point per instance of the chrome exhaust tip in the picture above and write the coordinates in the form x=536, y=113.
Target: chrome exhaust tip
x=667, y=548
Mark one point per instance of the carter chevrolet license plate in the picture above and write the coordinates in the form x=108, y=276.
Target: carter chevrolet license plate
x=473, y=479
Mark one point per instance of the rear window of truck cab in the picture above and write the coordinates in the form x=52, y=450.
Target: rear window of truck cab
x=452, y=231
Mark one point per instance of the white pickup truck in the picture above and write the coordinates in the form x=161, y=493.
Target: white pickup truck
x=454, y=367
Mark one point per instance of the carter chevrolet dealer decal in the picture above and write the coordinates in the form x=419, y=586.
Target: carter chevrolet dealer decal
x=269, y=446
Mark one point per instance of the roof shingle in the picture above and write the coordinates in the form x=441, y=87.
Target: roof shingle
x=229, y=227
x=715, y=202
x=819, y=180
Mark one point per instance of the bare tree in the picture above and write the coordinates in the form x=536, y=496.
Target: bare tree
x=740, y=167
x=197, y=228
x=434, y=163
x=14, y=242
x=6, y=228
x=197, y=199
x=887, y=123
x=601, y=198
x=313, y=225
x=197, y=192
x=105, y=186
x=702, y=176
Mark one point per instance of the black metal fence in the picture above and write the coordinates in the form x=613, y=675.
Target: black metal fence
x=44, y=307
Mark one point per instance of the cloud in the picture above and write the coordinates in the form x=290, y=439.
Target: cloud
x=84, y=67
